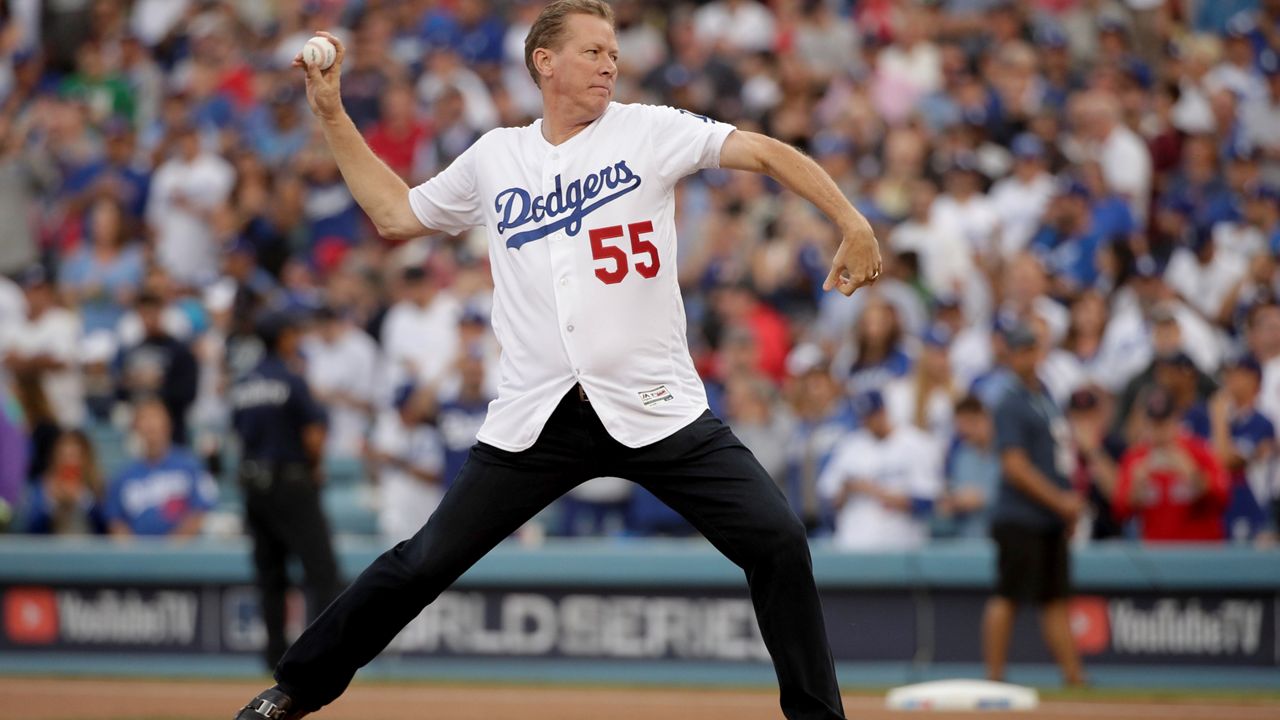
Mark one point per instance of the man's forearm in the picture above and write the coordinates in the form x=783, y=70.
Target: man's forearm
x=1026, y=478
x=803, y=176
x=376, y=187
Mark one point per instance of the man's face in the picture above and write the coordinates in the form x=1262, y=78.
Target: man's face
x=152, y=425
x=1023, y=360
x=1242, y=384
x=585, y=67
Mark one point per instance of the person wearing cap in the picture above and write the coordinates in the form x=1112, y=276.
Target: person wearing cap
x=406, y=454
x=1021, y=199
x=342, y=362
x=1171, y=482
x=159, y=366
x=1166, y=343
x=1244, y=441
x=823, y=417
x=1097, y=457
x=45, y=345
x=882, y=482
x=420, y=333
x=281, y=429
x=1034, y=513
x=1068, y=240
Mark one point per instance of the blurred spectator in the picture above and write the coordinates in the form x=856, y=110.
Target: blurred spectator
x=877, y=339
x=1020, y=200
x=342, y=364
x=1097, y=456
x=1124, y=157
x=419, y=334
x=184, y=190
x=39, y=427
x=45, y=346
x=462, y=412
x=161, y=367
x=1263, y=341
x=1244, y=441
x=754, y=414
x=926, y=398
x=1166, y=340
x=973, y=471
x=400, y=137
x=882, y=482
x=735, y=26
x=26, y=171
x=68, y=498
x=823, y=417
x=117, y=177
x=1171, y=481
x=1034, y=513
x=164, y=491
x=102, y=278
x=407, y=459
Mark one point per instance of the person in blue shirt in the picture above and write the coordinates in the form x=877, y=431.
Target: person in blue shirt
x=166, y=491
x=462, y=413
x=1244, y=440
x=282, y=434
x=973, y=473
x=1069, y=240
x=824, y=416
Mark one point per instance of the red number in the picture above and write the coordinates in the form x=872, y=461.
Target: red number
x=600, y=251
x=639, y=246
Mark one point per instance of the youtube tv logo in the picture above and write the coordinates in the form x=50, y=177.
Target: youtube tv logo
x=31, y=616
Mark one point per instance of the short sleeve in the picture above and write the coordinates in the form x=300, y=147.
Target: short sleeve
x=1011, y=425
x=685, y=142
x=449, y=201
x=305, y=407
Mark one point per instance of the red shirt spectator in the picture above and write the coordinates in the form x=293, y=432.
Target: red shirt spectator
x=401, y=134
x=1172, y=481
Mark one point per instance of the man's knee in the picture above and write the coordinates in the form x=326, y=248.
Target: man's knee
x=785, y=542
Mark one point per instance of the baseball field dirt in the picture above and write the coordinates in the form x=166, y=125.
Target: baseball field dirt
x=106, y=699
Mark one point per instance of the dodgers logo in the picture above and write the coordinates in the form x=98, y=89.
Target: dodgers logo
x=566, y=205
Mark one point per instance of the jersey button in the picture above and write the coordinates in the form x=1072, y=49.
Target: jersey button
x=569, y=328
x=564, y=281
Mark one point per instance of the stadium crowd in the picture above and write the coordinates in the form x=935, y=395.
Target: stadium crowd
x=1105, y=173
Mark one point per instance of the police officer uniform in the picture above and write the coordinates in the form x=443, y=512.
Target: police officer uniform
x=272, y=409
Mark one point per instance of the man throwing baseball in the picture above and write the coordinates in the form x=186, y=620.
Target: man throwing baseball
x=596, y=378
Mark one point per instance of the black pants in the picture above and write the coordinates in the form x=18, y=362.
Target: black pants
x=702, y=471
x=284, y=517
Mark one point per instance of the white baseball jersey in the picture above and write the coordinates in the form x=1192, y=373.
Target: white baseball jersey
x=582, y=244
x=907, y=462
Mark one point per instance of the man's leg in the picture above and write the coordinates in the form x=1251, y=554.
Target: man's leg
x=1055, y=624
x=494, y=494
x=306, y=530
x=997, y=629
x=704, y=473
x=270, y=572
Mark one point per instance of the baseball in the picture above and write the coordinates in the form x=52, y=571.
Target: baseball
x=319, y=51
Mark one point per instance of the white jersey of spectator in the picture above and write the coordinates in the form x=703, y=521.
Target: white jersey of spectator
x=406, y=501
x=181, y=192
x=1019, y=206
x=971, y=354
x=975, y=219
x=1204, y=286
x=946, y=259
x=478, y=108
x=1126, y=168
x=1126, y=343
x=1062, y=374
x=1246, y=84
x=1239, y=239
x=1260, y=122
x=420, y=344
x=56, y=334
x=348, y=365
x=906, y=462
x=582, y=247
x=744, y=25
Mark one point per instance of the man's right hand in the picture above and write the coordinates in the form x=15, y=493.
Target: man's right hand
x=323, y=92
x=1070, y=507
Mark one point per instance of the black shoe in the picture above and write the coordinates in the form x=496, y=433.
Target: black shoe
x=271, y=704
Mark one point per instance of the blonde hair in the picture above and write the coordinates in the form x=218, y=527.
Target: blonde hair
x=548, y=30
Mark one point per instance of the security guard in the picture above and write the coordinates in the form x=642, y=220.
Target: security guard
x=282, y=433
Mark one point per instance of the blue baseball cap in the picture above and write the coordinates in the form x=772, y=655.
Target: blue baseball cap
x=1246, y=362
x=937, y=335
x=1178, y=203
x=868, y=402
x=1146, y=266
x=1051, y=37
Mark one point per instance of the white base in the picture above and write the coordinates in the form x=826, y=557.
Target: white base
x=962, y=695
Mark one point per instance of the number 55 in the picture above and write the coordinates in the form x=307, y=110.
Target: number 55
x=639, y=246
